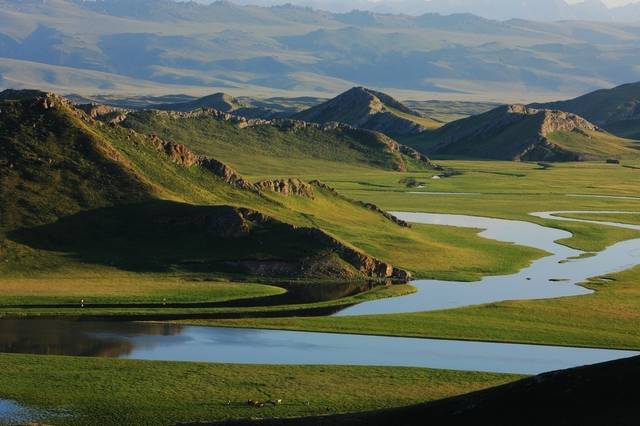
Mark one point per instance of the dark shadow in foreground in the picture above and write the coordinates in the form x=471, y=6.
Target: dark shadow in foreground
x=601, y=394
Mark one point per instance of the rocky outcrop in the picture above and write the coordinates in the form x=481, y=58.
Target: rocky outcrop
x=392, y=218
x=182, y=155
x=291, y=186
x=367, y=265
x=368, y=206
x=104, y=113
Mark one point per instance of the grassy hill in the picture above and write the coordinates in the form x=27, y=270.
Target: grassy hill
x=516, y=132
x=104, y=195
x=617, y=110
x=283, y=147
x=368, y=109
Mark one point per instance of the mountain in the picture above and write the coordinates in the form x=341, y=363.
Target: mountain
x=156, y=48
x=617, y=109
x=109, y=196
x=542, y=10
x=368, y=109
x=566, y=397
x=521, y=133
x=220, y=101
x=283, y=146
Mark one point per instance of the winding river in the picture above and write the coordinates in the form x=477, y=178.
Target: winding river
x=556, y=275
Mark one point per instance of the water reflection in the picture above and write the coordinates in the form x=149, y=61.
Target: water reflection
x=46, y=337
x=247, y=346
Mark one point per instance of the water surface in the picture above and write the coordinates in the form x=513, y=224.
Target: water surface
x=166, y=342
x=557, y=275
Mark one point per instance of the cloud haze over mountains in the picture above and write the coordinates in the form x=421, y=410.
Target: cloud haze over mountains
x=162, y=46
x=541, y=10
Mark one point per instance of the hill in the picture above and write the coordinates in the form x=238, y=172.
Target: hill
x=221, y=102
x=283, y=146
x=368, y=109
x=100, y=194
x=567, y=397
x=617, y=110
x=520, y=133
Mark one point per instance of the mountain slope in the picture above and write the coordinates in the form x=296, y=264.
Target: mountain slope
x=617, y=109
x=283, y=146
x=517, y=132
x=368, y=109
x=105, y=195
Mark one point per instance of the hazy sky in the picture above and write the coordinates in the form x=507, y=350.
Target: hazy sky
x=609, y=3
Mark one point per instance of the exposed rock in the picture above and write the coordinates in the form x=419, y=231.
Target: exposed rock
x=511, y=132
x=367, y=265
x=104, y=113
x=182, y=155
x=391, y=217
x=368, y=206
x=291, y=186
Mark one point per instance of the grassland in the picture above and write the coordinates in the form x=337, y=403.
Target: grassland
x=116, y=392
x=596, y=145
x=121, y=287
x=607, y=318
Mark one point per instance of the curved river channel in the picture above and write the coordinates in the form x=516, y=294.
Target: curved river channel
x=556, y=275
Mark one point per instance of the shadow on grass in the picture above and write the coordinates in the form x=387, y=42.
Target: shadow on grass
x=164, y=236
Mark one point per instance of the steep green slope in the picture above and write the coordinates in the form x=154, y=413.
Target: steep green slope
x=368, y=109
x=279, y=147
x=517, y=132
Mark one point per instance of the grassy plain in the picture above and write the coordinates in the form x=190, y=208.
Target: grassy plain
x=94, y=391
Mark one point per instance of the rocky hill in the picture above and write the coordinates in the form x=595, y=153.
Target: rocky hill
x=616, y=110
x=221, y=102
x=522, y=133
x=368, y=109
x=281, y=144
x=111, y=196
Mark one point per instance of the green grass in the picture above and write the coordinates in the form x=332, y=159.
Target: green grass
x=632, y=219
x=426, y=122
x=597, y=145
x=116, y=392
x=281, y=152
x=119, y=287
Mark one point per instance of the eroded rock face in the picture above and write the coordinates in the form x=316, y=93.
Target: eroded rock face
x=365, y=264
x=104, y=113
x=182, y=155
x=291, y=186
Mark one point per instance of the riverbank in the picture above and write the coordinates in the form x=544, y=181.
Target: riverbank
x=105, y=392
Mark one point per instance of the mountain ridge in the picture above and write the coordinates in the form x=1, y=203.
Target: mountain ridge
x=369, y=109
x=522, y=133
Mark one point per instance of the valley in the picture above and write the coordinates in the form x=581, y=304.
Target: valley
x=228, y=214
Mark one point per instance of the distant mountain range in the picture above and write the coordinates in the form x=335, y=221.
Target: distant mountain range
x=537, y=10
x=161, y=47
